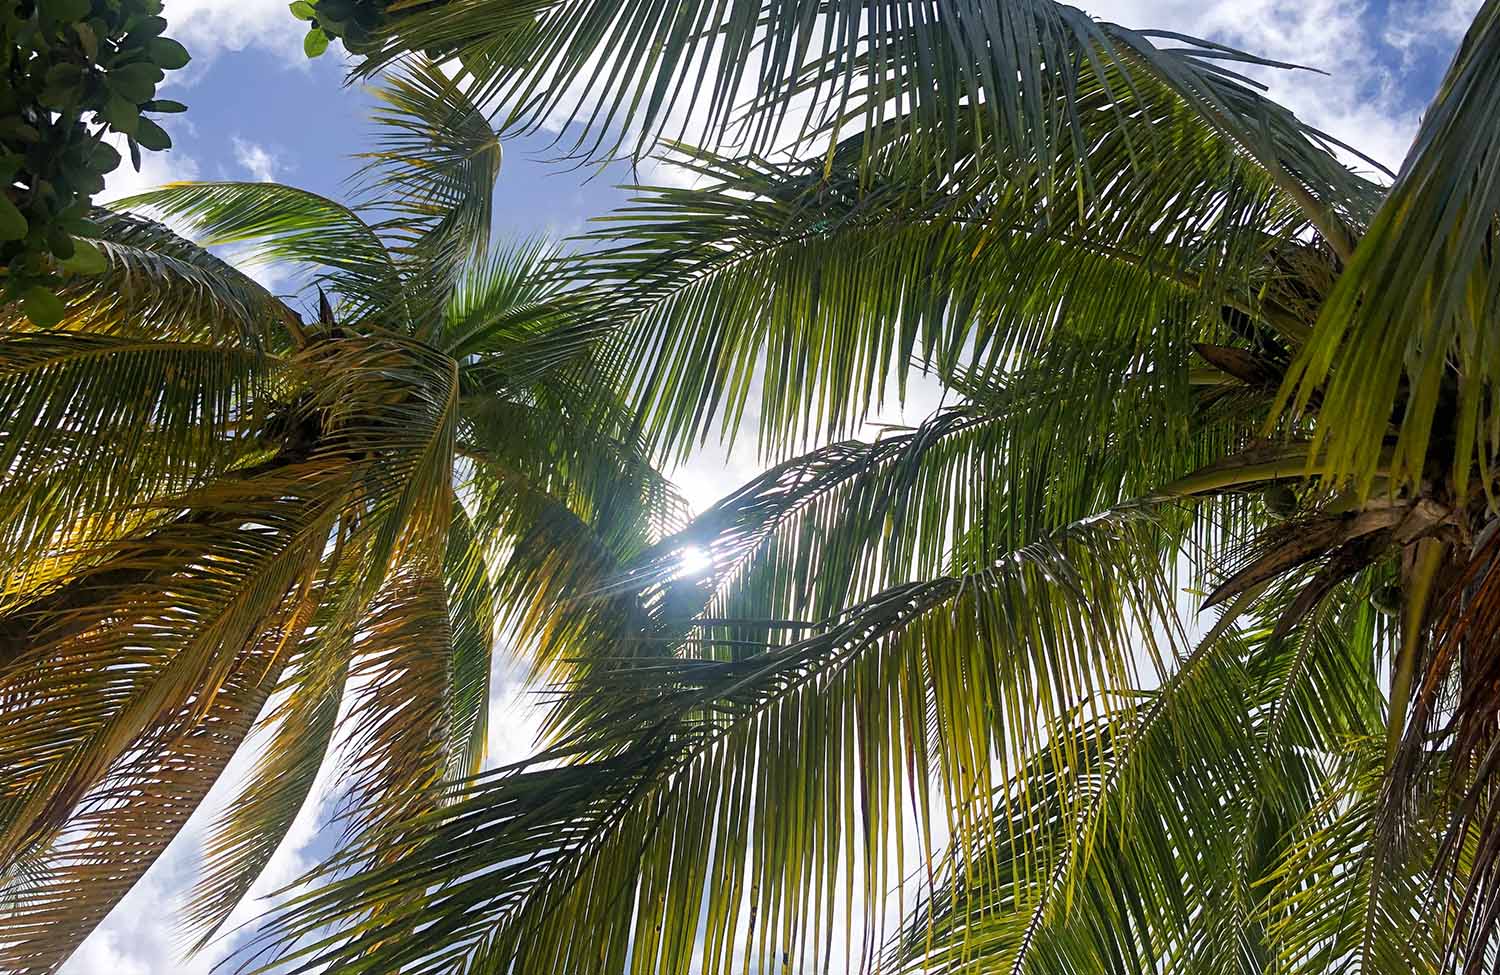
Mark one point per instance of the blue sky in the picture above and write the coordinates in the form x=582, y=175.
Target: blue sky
x=266, y=111
x=259, y=110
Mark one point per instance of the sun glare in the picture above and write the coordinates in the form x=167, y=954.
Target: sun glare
x=693, y=561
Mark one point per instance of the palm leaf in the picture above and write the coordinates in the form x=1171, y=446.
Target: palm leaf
x=192, y=595
x=609, y=830
x=180, y=289
x=823, y=295
x=769, y=72
x=433, y=171
x=471, y=619
x=1419, y=285
x=298, y=728
x=69, y=397
x=1151, y=839
x=272, y=223
x=124, y=821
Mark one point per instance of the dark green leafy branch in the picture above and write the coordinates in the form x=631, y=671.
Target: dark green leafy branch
x=350, y=20
x=362, y=24
x=74, y=71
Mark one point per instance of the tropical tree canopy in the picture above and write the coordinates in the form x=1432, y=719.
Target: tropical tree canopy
x=1168, y=644
x=220, y=517
x=1165, y=645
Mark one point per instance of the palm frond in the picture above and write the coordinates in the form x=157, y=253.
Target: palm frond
x=95, y=851
x=167, y=618
x=564, y=509
x=1402, y=350
x=272, y=223
x=397, y=754
x=766, y=73
x=501, y=300
x=161, y=285
x=70, y=397
x=822, y=292
x=516, y=318
x=1149, y=839
x=760, y=746
x=1349, y=894
x=242, y=840
x=433, y=171
x=836, y=525
x=389, y=405
x=472, y=621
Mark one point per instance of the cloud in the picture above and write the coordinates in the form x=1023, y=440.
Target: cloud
x=1359, y=101
x=259, y=161
x=156, y=168
x=207, y=28
x=1368, y=92
x=1428, y=28
x=102, y=954
x=516, y=715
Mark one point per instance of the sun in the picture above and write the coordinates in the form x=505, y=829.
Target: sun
x=693, y=561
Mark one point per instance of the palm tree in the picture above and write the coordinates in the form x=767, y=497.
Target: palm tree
x=221, y=519
x=1191, y=357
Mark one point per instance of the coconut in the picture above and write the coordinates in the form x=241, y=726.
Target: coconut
x=1281, y=501
x=1387, y=599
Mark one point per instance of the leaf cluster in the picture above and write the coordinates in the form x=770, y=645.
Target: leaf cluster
x=72, y=71
x=947, y=665
x=317, y=517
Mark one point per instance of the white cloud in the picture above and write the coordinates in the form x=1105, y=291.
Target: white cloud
x=1364, y=97
x=516, y=713
x=156, y=168
x=257, y=160
x=207, y=28
x=1429, y=28
x=102, y=954
x=666, y=172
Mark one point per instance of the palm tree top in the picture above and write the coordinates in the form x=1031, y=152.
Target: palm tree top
x=308, y=526
x=1195, y=362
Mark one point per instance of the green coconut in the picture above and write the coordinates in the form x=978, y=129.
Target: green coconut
x=1387, y=599
x=1281, y=501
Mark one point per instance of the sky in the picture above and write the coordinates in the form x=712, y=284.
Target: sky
x=258, y=109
